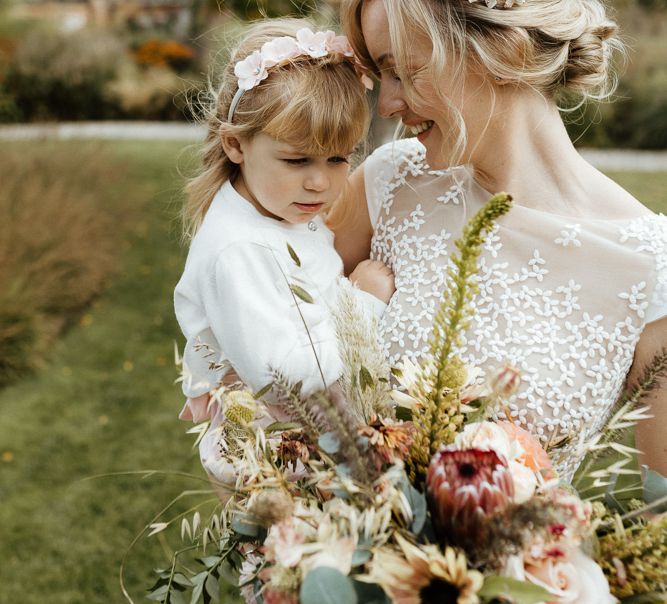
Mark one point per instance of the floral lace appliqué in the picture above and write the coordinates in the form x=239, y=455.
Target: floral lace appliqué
x=530, y=311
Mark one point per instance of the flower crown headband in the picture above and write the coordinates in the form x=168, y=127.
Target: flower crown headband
x=498, y=3
x=280, y=51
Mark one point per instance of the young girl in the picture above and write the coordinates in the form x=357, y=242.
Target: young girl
x=262, y=274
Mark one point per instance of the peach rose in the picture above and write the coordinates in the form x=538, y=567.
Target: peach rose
x=534, y=456
x=572, y=579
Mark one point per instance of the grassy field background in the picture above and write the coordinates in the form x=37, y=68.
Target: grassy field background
x=105, y=401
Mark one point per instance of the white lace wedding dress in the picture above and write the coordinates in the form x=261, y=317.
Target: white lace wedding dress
x=562, y=299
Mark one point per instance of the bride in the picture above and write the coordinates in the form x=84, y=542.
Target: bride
x=573, y=281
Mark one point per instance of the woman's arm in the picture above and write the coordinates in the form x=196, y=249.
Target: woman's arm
x=351, y=224
x=650, y=434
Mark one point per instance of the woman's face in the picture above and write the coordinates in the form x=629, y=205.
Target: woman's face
x=426, y=116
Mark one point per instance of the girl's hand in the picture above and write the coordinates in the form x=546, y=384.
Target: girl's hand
x=375, y=278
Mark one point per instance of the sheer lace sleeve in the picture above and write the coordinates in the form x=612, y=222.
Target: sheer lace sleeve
x=385, y=170
x=649, y=234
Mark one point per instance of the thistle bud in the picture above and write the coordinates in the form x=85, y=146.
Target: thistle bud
x=271, y=507
x=505, y=382
x=240, y=407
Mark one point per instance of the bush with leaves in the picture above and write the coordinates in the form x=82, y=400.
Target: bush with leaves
x=63, y=76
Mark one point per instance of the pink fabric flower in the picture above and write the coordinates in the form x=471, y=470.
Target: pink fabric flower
x=279, y=50
x=251, y=71
x=341, y=44
x=314, y=44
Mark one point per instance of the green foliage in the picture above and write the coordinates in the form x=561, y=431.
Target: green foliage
x=506, y=589
x=105, y=403
x=325, y=585
x=256, y=9
x=53, y=75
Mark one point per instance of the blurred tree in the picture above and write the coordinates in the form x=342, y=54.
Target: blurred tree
x=255, y=9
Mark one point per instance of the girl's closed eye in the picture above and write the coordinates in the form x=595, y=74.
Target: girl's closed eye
x=296, y=161
x=339, y=159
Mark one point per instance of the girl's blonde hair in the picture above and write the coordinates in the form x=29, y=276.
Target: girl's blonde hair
x=317, y=106
x=552, y=46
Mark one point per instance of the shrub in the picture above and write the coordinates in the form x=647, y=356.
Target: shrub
x=164, y=53
x=155, y=93
x=54, y=75
x=56, y=247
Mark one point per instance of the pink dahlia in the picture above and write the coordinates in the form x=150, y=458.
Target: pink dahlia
x=462, y=489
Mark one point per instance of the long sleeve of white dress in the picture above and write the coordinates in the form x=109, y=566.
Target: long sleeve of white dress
x=259, y=294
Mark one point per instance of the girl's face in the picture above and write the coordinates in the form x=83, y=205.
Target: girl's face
x=426, y=117
x=283, y=183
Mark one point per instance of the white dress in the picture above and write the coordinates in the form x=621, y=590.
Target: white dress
x=563, y=299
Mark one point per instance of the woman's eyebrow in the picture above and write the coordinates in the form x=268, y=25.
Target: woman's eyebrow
x=383, y=59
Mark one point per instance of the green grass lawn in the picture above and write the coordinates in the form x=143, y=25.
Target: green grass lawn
x=105, y=403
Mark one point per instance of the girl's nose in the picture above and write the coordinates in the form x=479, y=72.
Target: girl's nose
x=391, y=102
x=317, y=180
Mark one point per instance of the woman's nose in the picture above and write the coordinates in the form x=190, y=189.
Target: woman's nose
x=391, y=102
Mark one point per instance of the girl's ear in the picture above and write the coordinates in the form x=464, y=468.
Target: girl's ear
x=232, y=147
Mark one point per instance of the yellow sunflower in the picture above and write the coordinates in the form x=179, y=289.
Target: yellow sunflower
x=424, y=575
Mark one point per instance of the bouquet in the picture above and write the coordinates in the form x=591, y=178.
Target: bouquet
x=410, y=485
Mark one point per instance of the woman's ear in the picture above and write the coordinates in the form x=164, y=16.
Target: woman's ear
x=233, y=147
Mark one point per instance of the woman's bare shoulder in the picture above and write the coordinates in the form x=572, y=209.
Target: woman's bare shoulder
x=616, y=202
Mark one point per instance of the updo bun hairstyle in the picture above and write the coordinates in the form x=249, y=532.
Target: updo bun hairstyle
x=560, y=48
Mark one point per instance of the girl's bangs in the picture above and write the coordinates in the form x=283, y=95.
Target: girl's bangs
x=325, y=115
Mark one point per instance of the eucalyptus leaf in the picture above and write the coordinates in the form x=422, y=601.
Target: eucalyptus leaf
x=324, y=585
x=197, y=592
x=181, y=579
x=360, y=556
x=244, y=524
x=363, y=442
x=417, y=503
x=395, y=371
x=365, y=378
x=213, y=588
x=210, y=561
x=228, y=575
x=344, y=470
x=177, y=597
x=159, y=594
x=655, y=488
x=299, y=292
x=370, y=593
x=293, y=255
x=329, y=443
x=518, y=592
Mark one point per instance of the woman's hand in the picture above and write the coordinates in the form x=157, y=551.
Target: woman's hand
x=375, y=278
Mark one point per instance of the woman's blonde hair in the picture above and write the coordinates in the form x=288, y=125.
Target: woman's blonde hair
x=552, y=46
x=317, y=106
